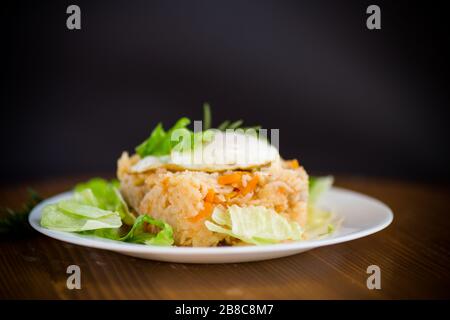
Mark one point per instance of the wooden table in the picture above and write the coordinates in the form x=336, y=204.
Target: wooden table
x=413, y=254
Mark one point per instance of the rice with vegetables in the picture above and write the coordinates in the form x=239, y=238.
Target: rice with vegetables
x=186, y=199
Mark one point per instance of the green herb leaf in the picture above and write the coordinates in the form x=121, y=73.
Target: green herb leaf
x=15, y=222
x=223, y=126
x=235, y=124
x=206, y=116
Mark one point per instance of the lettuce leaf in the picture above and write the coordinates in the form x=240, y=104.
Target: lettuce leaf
x=149, y=146
x=138, y=234
x=96, y=204
x=101, y=194
x=254, y=224
x=98, y=209
x=320, y=222
x=160, y=142
x=167, y=143
x=108, y=233
x=55, y=218
x=318, y=186
x=80, y=209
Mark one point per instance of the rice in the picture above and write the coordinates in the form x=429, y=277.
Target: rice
x=177, y=197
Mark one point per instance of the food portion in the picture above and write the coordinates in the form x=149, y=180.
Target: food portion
x=187, y=199
x=203, y=188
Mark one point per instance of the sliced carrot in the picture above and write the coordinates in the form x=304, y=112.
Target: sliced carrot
x=205, y=212
x=230, y=195
x=217, y=200
x=209, y=196
x=165, y=183
x=294, y=164
x=251, y=185
x=139, y=181
x=235, y=177
x=279, y=208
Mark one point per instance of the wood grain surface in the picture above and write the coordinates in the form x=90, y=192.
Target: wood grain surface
x=413, y=254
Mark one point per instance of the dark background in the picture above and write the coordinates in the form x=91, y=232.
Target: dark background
x=347, y=100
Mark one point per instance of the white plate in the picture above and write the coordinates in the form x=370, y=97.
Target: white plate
x=362, y=216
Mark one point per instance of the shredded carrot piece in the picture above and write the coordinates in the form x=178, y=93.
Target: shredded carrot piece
x=139, y=182
x=210, y=196
x=165, y=183
x=231, y=195
x=294, y=164
x=235, y=177
x=251, y=185
x=205, y=212
x=216, y=199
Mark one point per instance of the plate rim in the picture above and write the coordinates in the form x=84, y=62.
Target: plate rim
x=112, y=245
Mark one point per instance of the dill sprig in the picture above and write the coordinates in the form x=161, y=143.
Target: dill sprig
x=15, y=222
x=227, y=124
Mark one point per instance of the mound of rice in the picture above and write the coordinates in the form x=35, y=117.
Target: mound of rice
x=181, y=198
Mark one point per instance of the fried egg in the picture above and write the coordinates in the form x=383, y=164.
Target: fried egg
x=225, y=151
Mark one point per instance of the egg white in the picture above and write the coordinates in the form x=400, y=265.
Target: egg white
x=226, y=151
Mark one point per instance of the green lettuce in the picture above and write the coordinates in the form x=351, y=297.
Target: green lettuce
x=320, y=222
x=55, y=217
x=104, y=195
x=96, y=204
x=160, y=142
x=138, y=234
x=318, y=186
x=98, y=209
x=254, y=224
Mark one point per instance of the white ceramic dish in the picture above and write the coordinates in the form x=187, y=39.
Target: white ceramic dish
x=362, y=216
